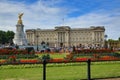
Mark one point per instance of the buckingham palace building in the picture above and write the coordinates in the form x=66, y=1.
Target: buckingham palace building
x=66, y=36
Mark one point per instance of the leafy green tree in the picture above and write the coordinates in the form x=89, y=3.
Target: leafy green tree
x=10, y=36
x=2, y=37
x=110, y=40
x=6, y=37
x=119, y=39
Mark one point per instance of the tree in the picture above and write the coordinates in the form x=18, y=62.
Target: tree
x=6, y=37
x=2, y=37
x=110, y=40
x=119, y=39
x=10, y=36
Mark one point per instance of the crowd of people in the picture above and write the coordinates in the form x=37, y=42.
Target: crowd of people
x=46, y=48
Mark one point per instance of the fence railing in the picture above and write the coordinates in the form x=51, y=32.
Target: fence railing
x=88, y=69
x=45, y=62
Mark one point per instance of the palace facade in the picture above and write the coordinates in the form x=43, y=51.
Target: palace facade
x=66, y=36
x=115, y=44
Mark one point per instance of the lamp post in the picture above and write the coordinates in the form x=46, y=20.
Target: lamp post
x=106, y=41
x=37, y=43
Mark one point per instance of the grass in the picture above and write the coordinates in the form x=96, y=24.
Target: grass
x=58, y=55
x=106, y=70
x=70, y=71
x=55, y=55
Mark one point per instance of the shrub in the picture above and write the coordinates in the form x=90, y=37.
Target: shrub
x=46, y=57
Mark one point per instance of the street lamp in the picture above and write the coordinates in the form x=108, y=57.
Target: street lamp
x=106, y=41
x=37, y=43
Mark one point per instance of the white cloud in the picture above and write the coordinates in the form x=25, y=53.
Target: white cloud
x=100, y=18
x=35, y=15
x=43, y=14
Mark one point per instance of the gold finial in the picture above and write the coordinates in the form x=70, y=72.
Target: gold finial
x=20, y=16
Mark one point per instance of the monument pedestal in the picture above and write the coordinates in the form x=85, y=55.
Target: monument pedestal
x=19, y=37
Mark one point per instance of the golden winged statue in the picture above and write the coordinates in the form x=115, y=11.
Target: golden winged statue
x=20, y=16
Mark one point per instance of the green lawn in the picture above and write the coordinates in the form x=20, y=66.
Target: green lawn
x=56, y=55
x=70, y=71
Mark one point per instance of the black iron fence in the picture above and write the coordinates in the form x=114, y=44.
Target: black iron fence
x=45, y=62
x=88, y=69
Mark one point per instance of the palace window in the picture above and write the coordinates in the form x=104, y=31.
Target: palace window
x=76, y=39
x=73, y=39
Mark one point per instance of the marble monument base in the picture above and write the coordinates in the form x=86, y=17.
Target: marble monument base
x=19, y=38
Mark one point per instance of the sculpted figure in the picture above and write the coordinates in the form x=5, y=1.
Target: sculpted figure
x=20, y=16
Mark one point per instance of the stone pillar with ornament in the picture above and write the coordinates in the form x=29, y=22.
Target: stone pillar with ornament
x=20, y=38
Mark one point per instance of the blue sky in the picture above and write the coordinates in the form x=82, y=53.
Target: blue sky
x=46, y=14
